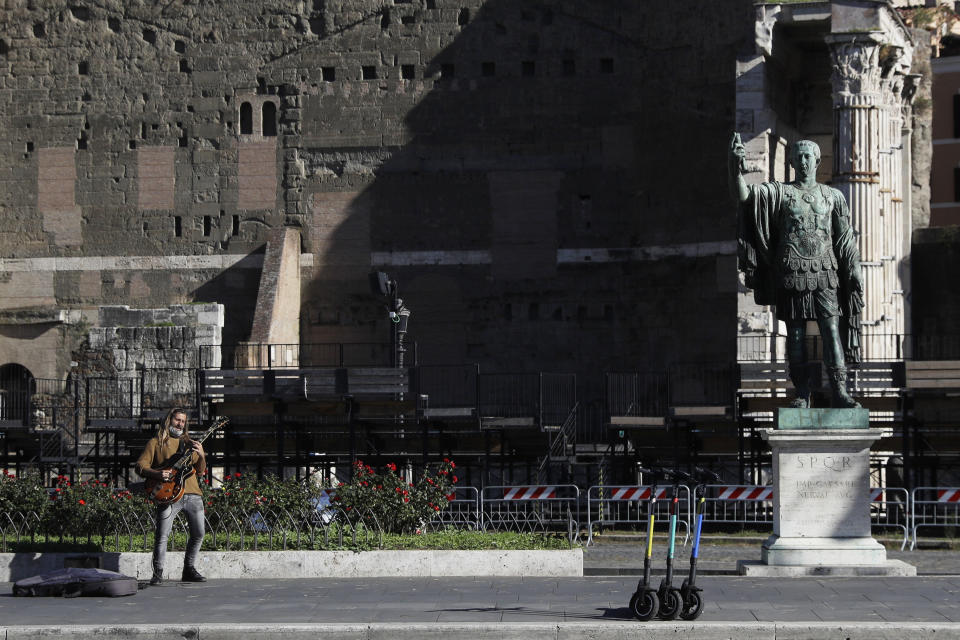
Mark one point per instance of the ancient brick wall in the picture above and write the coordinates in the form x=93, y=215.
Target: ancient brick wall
x=545, y=180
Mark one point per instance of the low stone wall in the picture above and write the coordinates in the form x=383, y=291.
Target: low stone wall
x=314, y=564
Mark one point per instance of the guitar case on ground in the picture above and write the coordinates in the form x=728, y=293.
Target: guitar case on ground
x=73, y=582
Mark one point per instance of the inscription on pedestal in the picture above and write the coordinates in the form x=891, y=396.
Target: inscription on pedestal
x=823, y=494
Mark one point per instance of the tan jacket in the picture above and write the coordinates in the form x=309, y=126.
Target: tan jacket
x=153, y=458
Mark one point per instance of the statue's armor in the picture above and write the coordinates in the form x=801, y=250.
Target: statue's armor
x=805, y=255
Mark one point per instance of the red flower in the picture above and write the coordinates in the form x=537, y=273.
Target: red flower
x=236, y=475
x=379, y=486
x=81, y=501
x=446, y=459
x=398, y=490
x=454, y=478
x=436, y=508
x=406, y=499
x=453, y=466
x=405, y=493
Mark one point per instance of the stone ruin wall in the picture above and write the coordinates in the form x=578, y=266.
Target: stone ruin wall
x=546, y=181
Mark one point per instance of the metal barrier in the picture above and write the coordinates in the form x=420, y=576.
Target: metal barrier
x=890, y=507
x=739, y=504
x=934, y=507
x=530, y=508
x=608, y=505
x=462, y=511
x=750, y=504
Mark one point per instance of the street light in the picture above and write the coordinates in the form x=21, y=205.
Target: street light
x=382, y=284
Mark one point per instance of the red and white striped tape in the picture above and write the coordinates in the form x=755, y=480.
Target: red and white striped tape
x=529, y=493
x=745, y=493
x=948, y=495
x=876, y=495
x=635, y=493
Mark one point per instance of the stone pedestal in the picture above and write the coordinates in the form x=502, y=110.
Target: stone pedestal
x=821, y=508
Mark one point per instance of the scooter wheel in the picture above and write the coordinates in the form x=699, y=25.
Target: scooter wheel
x=644, y=605
x=670, y=605
x=693, y=606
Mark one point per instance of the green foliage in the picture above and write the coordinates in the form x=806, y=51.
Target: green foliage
x=22, y=494
x=91, y=507
x=249, y=493
x=397, y=506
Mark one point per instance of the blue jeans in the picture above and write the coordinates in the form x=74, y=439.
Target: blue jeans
x=192, y=505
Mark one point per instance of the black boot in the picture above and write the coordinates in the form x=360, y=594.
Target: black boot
x=156, y=578
x=838, y=384
x=190, y=574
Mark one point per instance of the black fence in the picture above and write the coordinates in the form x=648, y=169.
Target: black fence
x=303, y=356
x=652, y=394
x=873, y=347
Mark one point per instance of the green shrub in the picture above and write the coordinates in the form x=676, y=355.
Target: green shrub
x=397, y=506
x=22, y=494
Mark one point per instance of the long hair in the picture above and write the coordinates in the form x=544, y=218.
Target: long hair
x=163, y=432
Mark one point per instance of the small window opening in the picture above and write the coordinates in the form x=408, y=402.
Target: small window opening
x=408, y=20
x=488, y=69
x=269, y=119
x=956, y=184
x=114, y=24
x=133, y=144
x=182, y=141
x=180, y=46
x=184, y=66
x=83, y=67
x=150, y=36
x=207, y=225
x=177, y=227
x=369, y=72
x=39, y=29
x=448, y=71
x=235, y=228
x=329, y=74
x=29, y=146
x=385, y=18
x=246, y=118
x=407, y=72
x=463, y=17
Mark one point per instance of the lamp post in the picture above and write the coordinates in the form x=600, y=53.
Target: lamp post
x=383, y=284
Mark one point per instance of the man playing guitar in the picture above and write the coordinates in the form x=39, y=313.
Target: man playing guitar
x=172, y=436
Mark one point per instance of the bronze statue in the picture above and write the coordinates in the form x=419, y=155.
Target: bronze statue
x=798, y=252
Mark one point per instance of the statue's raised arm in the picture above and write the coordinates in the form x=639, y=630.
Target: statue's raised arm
x=735, y=160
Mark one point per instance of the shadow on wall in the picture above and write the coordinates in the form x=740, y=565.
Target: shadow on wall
x=491, y=181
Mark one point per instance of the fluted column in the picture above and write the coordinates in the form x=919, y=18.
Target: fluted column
x=858, y=126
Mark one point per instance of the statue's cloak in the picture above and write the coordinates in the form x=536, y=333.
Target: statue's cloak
x=758, y=235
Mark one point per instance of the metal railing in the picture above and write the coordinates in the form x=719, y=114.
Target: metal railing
x=229, y=529
x=250, y=355
x=933, y=507
x=531, y=509
x=630, y=505
x=462, y=512
x=873, y=346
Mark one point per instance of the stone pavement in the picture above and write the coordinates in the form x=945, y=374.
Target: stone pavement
x=613, y=555
x=528, y=608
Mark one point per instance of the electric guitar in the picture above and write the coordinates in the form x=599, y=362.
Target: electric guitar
x=181, y=463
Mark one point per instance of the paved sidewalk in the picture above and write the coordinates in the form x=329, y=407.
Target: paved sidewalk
x=526, y=608
x=613, y=556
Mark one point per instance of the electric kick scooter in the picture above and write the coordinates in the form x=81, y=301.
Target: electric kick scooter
x=689, y=591
x=644, y=603
x=671, y=600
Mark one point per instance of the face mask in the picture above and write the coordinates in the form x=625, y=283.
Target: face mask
x=174, y=432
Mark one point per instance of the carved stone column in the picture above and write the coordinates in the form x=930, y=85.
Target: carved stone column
x=857, y=129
